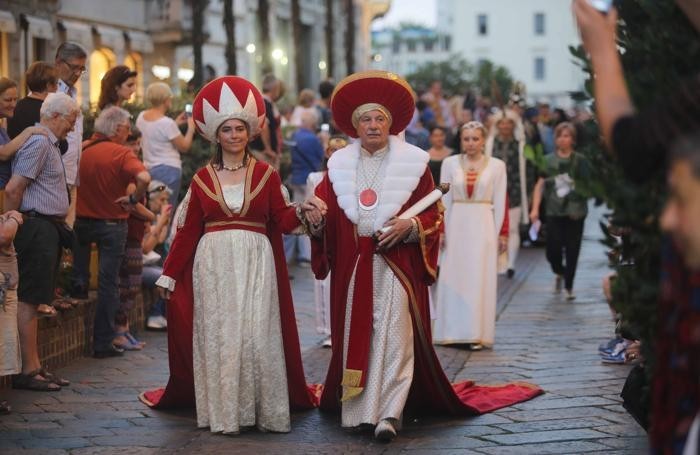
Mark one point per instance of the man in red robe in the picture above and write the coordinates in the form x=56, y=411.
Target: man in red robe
x=383, y=359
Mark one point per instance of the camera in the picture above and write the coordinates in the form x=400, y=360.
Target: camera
x=601, y=5
x=188, y=110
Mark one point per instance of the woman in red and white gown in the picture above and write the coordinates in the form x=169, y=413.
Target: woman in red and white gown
x=233, y=342
x=476, y=233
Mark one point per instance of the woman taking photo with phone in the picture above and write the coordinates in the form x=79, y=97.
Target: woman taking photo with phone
x=161, y=141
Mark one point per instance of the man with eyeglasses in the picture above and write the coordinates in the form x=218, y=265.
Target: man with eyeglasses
x=70, y=65
x=106, y=169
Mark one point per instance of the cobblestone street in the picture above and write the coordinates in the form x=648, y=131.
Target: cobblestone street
x=541, y=338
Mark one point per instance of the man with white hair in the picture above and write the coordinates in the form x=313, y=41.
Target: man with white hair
x=383, y=360
x=107, y=167
x=307, y=156
x=38, y=189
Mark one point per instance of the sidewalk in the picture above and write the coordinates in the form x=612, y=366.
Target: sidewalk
x=540, y=338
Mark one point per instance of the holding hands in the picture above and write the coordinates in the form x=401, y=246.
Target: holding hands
x=314, y=209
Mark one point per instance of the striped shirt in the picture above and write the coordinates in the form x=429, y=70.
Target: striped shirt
x=39, y=160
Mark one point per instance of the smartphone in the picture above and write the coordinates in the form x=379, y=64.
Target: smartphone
x=325, y=127
x=188, y=110
x=601, y=5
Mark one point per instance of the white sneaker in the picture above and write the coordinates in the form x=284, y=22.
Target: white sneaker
x=558, y=284
x=570, y=294
x=326, y=343
x=157, y=323
x=385, y=431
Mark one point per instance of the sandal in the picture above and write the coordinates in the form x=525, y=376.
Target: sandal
x=5, y=407
x=131, y=343
x=133, y=339
x=47, y=312
x=53, y=378
x=31, y=382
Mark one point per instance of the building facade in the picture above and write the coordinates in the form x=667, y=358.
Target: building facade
x=405, y=49
x=154, y=38
x=530, y=38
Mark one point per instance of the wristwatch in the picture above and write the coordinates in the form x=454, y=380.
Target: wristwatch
x=132, y=199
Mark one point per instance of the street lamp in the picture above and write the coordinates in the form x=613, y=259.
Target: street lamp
x=284, y=60
x=250, y=48
x=322, y=65
x=185, y=74
x=277, y=54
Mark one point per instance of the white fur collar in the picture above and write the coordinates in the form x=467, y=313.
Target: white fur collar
x=405, y=166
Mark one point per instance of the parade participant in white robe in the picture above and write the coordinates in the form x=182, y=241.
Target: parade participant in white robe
x=506, y=141
x=475, y=234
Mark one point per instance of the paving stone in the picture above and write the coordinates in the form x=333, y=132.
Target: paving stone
x=569, y=447
x=51, y=416
x=567, y=403
x=15, y=433
x=38, y=425
x=55, y=443
x=639, y=443
x=545, y=436
x=558, y=424
x=528, y=416
x=119, y=451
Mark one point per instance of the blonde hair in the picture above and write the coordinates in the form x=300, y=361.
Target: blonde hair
x=158, y=93
x=306, y=97
x=474, y=126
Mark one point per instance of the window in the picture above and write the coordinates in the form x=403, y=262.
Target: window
x=396, y=45
x=428, y=44
x=540, y=69
x=99, y=63
x=447, y=43
x=411, y=46
x=539, y=24
x=482, y=24
x=135, y=62
x=4, y=59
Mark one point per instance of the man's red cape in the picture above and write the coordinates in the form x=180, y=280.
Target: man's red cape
x=206, y=204
x=414, y=264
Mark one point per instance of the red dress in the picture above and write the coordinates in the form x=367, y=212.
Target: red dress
x=414, y=264
x=264, y=211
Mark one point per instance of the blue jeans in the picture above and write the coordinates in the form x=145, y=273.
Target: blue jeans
x=171, y=176
x=110, y=237
x=151, y=273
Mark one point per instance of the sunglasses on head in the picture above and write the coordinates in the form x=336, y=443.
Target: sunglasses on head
x=157, y=189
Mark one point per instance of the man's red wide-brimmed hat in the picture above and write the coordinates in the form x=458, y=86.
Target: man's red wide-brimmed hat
x=224, y=98
x=380, y=87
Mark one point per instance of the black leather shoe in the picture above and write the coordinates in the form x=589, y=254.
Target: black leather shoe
x=113, y=352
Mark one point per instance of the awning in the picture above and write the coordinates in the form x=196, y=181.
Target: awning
x=7, y=22
x=140, y=42
x=39, y=27
x=77, y=32
x=110, y=37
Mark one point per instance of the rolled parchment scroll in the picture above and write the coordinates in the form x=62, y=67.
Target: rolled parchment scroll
x=424, y=203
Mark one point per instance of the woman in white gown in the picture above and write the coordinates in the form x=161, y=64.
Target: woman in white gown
x=476, y=233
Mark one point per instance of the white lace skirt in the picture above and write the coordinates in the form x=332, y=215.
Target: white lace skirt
x=240, y=378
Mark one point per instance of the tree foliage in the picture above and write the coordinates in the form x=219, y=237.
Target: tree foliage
x=457, y=75
x=658, y=49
